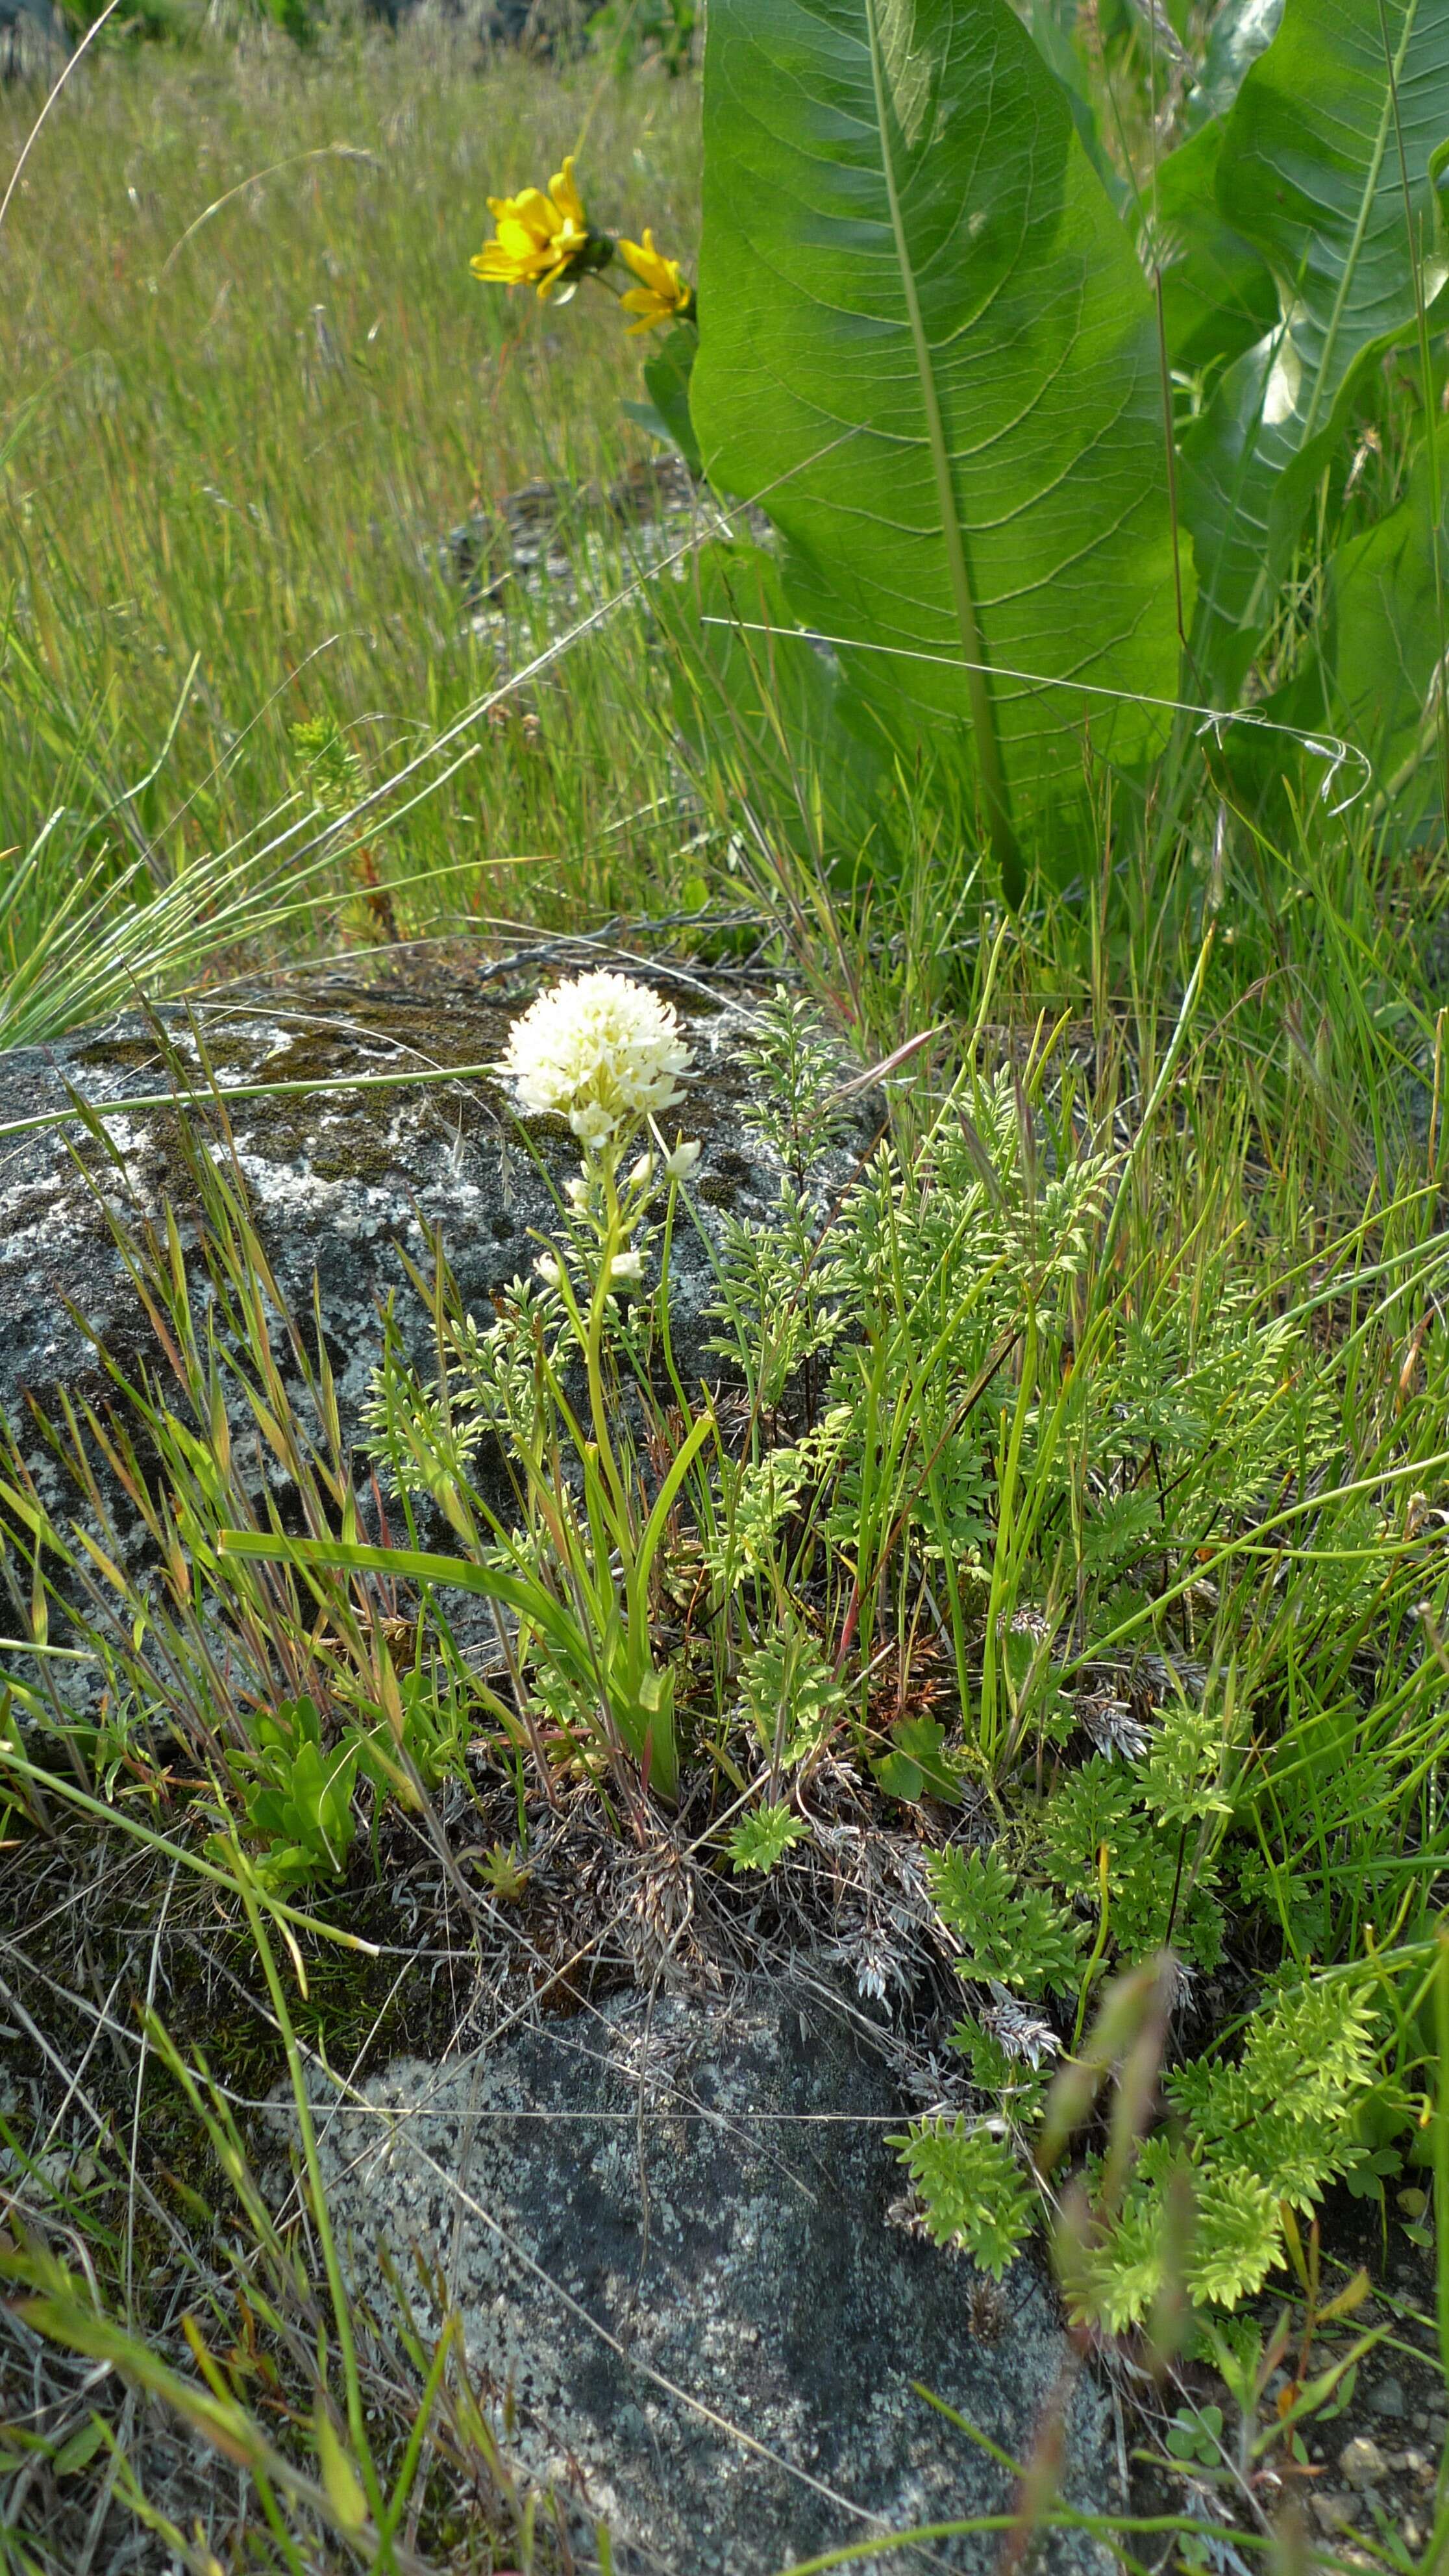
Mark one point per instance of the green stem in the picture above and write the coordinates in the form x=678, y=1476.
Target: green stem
x=594, y=1346
x=1098, y=1950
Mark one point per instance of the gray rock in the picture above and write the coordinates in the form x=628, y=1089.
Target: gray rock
x=342, y=1185
x=548, y=29
x=536, y=534
x=1386, y=2397
x=665, y=2229
x=1362, y=2462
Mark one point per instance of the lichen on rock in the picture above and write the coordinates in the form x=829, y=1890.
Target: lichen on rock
x=344, y=1184
x=664, y=2228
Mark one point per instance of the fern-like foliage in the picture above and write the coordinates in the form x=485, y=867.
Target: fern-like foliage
x=790, y=1694
x=780, y=1297
x=1282, y=2113
x=1008, y=1933
x=971, y=2190
x=1259, y=2131
x=1267, y=2130
x=1152, y=1896
x=1237, y=2236
x=761, y=1839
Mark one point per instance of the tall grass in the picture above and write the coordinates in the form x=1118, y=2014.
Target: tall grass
x=249, y=384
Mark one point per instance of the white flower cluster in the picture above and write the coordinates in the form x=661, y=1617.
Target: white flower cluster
x=602, y=1051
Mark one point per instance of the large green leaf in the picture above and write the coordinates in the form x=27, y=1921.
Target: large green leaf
x=1233, y=459
x=747, y=693
x=1310, y=171
x=1389, y=601
x=927, y=345
x=1240, y=32
x=1218, y=295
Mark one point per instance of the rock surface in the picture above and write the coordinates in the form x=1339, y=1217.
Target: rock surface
x=548, y=29
x=535, y=535
x=665, y=2229
x=342, y=1184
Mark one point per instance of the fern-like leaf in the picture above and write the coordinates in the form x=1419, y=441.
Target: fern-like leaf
x=971, y=2189
x=1009, y=1933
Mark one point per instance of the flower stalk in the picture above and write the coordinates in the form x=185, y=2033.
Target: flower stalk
x=606, y=1054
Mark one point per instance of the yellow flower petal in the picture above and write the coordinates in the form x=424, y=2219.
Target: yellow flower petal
x=661, y=292
x=642, y=300
x=566, y=196
x=538, y=239
x=644, y=260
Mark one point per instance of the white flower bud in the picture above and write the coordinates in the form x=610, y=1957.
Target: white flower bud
x=626, y=1266
x=593, y=1124
x=679, y=1164
x=643, y=1173
x=548, y=1270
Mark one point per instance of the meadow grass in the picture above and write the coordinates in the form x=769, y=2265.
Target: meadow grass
x=232, y=445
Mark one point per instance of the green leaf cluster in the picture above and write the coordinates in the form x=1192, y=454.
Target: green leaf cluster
x=972, y=2191
x=297, y=1794
x=790, y=1694
x=928, y=347
x=1251, y=2135
x=918, y=1764
x=761, y=1839
x=1009, y=1933
x=1152, y=1896
x=1266, y=2131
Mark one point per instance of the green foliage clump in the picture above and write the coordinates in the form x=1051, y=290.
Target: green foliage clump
x=297, y=1795
x=919, y=1765
x=330, y=764
x=1253, y=2135
x=1007, y=1932
x=972, y=2191
x=1004, y=1525
x=1152, y=1897
x=762, y=1838
x=1155, y=577
x=1261, y=2132
x=791, y=1695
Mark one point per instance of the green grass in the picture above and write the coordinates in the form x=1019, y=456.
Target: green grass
x=232, y=441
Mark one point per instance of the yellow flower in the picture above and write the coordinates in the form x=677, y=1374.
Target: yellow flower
x=539, y=238
x=661, y=295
